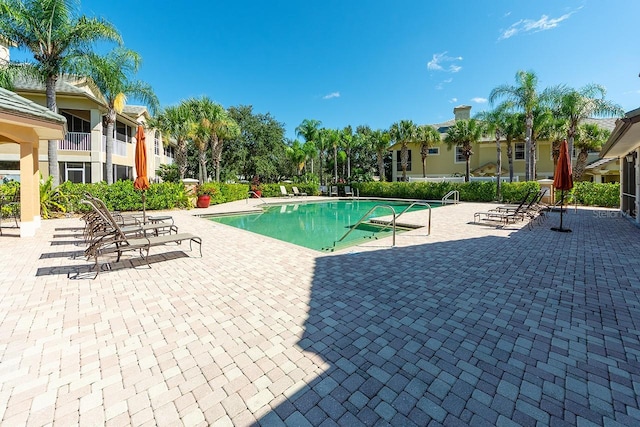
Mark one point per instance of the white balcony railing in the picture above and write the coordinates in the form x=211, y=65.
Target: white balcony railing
x=75, y=141
x=119, y=147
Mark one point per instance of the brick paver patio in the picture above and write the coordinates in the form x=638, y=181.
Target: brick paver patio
x=472, y=325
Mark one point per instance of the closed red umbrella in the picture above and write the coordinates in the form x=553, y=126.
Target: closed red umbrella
x=563, y=179
x=141, y=182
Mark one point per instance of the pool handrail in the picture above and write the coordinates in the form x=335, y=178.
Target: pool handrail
x=361, y=220
x=427, y=205
x=456, y=197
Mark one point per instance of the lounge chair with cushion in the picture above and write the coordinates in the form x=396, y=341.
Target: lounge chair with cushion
x=347, y=191
x=297, y=192
x=334, y=191
x=284, y=192
x=114, y=240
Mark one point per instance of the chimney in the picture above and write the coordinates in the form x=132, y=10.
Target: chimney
x=462, y=112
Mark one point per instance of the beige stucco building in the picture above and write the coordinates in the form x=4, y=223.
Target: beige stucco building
x=444, y=163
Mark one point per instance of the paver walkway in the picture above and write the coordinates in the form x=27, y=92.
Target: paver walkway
x=472, y=325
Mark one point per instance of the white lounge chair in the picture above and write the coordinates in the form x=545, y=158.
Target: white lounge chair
x=297, y=192
x=284, y=192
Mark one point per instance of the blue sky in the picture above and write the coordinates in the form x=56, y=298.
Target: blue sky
x=374, y=62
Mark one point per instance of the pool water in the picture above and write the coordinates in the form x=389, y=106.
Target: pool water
x=316, y=225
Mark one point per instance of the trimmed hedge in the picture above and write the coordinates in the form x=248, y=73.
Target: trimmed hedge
x=596, y=194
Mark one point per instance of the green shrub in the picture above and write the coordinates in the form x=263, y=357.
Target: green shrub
x=596, y=194
x=232, y=192
x=469, y=191
x=513, y=192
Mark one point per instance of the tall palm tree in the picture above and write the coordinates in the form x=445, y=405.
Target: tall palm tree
x=322, y=144
x=224, y=128
x=589, y=137
x=52, y=32
x=428, y=137
x=576, y=105
x=309, y=129
x=380, y=140
x=513, y=131
x=347, y=142
x=112, y=76
x=334, y=137
x=175, y=122
x=524, y=96
x=495, y=122
x=403, y=132
x=296, y=154
x=464, y=134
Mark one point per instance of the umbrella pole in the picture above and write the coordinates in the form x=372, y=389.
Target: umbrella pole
x=561, y=229
x=144, y=209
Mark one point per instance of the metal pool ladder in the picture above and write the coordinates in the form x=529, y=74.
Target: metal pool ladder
x=447, y=197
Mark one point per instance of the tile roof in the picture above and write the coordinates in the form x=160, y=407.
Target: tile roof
x=15, y=104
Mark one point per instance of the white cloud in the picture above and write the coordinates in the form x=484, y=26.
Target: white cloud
x=479, y=100
x=332, y=95
x=452, y=100
x=440, y=85
x=438, y=59
x=529, y=25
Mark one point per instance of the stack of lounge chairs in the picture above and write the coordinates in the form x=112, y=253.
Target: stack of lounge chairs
x=104, y=234
x=530, y=207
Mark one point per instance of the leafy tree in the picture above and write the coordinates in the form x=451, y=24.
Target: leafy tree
x=524, y=96
x=175, y=122
x=56, y=37
x=259, y=148
x=297, y=156
x=334, y=138
x=112, y=76
x=589, y=137
x=428, y=137
x=495, y=122
x=347, y=142
x=309, y=129
x=576, y=105
x=380, y=140
x=464, y=134
x=403, y=132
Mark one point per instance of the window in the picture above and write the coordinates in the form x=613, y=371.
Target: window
x=399, y=160
x=519, y=151
x=75, y=123
x=156, y=144
x=76, y=172
x=434, y=151
x=459, y=155
x=123, y=132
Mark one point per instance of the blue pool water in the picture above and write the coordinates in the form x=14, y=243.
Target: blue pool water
x=315, y=225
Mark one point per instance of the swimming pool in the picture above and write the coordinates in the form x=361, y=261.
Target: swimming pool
x=316, y=225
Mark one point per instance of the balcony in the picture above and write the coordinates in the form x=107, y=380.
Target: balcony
x=75, y=141
x=119, y=147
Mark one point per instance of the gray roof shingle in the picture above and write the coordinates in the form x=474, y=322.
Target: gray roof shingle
x=19, y=106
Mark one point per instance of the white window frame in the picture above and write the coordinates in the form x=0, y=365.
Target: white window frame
x=437, y=151
x=515, y=151
x=457, y=153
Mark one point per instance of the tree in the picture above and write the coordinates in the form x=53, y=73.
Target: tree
x=334, y=138
x=403, y=132
x=576, y=105
x=428, y=137
x=112, y=76
x=347, y=142
x=464, y=134
x=495, y=122
x=56, y=37
x=222, y=129
x=323, y=143
x=380, y=140
x=175, y=122
x=513, y=131
x=525, y=97
x=297, y=156
x=309, y=129
x=589, y=137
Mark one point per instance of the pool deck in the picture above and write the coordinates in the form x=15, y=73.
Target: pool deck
x=470, y=325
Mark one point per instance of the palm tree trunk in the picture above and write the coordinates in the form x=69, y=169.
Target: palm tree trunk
x=335, y=163
x=202, y=159
x=52, y=146
x=498, y=167
x=181, y=157
x=510, y=159
x=383, y=178
x=349, y=164
x=532, y=160
x=581, y=163
x=217, y=156
x=467, y=175
x=527, y=148
x=111, y=119
x=404, y=161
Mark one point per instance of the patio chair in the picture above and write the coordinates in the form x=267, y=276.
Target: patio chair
x=503, y=216
x=284, y=192
x=334, y=191
x=297, y=192
x=11, y=207
x=115, y=240
x=347, y=191
x=323, y=190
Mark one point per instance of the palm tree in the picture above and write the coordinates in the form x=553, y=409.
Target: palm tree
x=513, y=131
x=175, y=122
x=296, y=154
x=380, y=140
x=525, y=97
x=112, y=76
x=224, y=128
x=495, y=122
x=322, y=144
x=403, y=132
x=309, y=129
x=334, y=137
x=428, y=137
x=347, y=143
x=56, y=37
x=576, y=105
x=464, y=134
x=589, y=137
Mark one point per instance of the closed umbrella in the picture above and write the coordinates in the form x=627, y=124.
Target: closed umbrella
x=563, y=180
x=141, y=182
